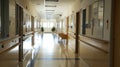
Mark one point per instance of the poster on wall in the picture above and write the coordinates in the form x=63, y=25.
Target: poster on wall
x=94, y=15
x=72, y=23
x=26, y=23
x=0, y=19
x=96, y=19
x=64, y=26
x=92, y=20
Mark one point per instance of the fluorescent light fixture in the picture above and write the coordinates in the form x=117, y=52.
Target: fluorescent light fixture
x=52, y=0
x=50, y=5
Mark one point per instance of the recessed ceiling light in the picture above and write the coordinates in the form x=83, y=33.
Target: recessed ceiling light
x=50, y=10
x=52, y=0
x=50, y=5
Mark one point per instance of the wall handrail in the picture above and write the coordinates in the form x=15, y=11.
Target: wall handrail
x=94, y=46
x=29, y=33
x=8, y=49
x=9, y=39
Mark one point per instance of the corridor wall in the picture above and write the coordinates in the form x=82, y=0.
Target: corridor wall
x=93, y=49
x=10, y=45
x=78, y=6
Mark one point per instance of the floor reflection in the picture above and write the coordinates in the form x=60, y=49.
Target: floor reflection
x=9, y=58
x=54, y=54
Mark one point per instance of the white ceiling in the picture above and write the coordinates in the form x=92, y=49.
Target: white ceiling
x=51, y=12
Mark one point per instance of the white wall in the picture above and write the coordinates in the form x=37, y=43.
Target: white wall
x=23, y=4
x=12, y=18
x=99, y=32
x=48, y=24
x=107, y=14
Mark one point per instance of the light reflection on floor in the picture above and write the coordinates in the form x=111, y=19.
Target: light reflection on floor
x=51, y=54
x=48, y=43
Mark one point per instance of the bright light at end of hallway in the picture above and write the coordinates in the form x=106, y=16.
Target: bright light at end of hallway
x=48, y=42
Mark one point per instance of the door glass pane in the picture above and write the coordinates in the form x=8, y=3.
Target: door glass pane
x=0, y=18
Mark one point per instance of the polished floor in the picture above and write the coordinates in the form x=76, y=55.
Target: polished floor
x=53, y=53
x=50, y=51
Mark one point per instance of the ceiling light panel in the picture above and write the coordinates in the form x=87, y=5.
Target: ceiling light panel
x=50, y=10
x=52, y=0
x=50, y=5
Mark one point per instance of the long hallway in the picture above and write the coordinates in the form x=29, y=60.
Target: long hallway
x=52, y=53
x=59, y=33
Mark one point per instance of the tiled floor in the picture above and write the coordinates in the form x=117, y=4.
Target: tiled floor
x=9, y=59
x=54, y=54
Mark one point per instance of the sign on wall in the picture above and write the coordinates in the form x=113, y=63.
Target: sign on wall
x=92, y=20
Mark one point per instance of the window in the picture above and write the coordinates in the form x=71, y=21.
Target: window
x=45, y=24
x=19, y=20
x=0, y=18
x=48, y=24
x=84, y=22
x=4, y=19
